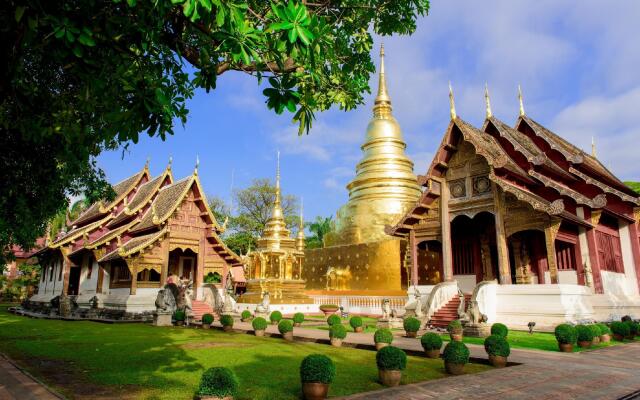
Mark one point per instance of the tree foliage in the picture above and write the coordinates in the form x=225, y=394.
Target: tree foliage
x=319, y=228
x=81, y=76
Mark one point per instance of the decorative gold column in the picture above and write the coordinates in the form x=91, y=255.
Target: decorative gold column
x=501, y=236
x=414, y=257
x=447, y=251
x=133, y=266
x=550, y=233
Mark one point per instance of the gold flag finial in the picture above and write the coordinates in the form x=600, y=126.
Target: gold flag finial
x=593, y=147
x=452, y=104
x=486, y=99
x=520, y=100
x=195, y=172
x=146, y=164
x=382, y=104
x=170, y=162
x=278, y=179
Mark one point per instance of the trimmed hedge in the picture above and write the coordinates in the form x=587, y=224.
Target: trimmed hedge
x=317, y=368
x=179, y=315
x=298, y=318
x=391, y=358
x=218, y=381
x=275, y=316
x=207, y=319
x=259, y=324
x=454, y=325
x=226, y=320
x=497, y=345
x=584, y=333
x=285, y=326
x=456, y=353
x=620, y=328
x=355, y=322
x=326, y=307
x=411, y=324
x=246, y=314
x=431, y=341
x=499, y=329
x=604, y=329
x=383, y=335
x=334, y=319
x=633, y=328
x=337, y=331
x=595, y=330
x=565, y=334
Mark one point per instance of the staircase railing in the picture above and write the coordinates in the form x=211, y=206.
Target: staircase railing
x=441, y=294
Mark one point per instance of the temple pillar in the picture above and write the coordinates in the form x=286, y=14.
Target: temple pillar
x=414, y=257
x=445, y=224
x=199, y=276
x=584, y=251
x=100, y=279
x=133, y=266
x=550, y=233
x=164, y=272
x=592, y=245
x=66, y=270
x=501, y=236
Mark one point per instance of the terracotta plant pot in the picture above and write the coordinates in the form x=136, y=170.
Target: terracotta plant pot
x=454, y=369
x=389, y=377
x=410, y=334
x=275, y=322
x=358, y=329
x=617, y=337
x=259, y=332
x=381, y=345
x=335, y=342
x=566, y=347
x=179, y=323
x=457, y=336
x=329, y=311
x=498, y=361
x=206, y=326
x=315, y=390
x=296, y=324
x=245, y=319
x=584, y=343
x=606, y=338
x=288, y=336
x=596, y=340
x=435, y=353
x=227, y=328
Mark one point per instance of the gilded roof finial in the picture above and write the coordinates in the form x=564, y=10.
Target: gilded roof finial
x=146, y=164
x=452, y=104
x=195, y=172
x=520, y=100
x=382, y=107
x=593, y=147
x=486, y=99
x=170, y=162
x=277, y=202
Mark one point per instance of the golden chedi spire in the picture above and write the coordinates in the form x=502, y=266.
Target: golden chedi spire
x=300, y=237
x=384, y=185
x=275, y=233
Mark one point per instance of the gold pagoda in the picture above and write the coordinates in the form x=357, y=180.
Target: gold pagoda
x=275, y=267
x=359, y=255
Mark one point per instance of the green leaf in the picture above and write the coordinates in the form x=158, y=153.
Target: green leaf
x=220, y=16
x=162, y=99
x=305, y=35
x=188, y=7
x=131, y=3
x=86, y=40
x=19, y=13
x=70, y=36
x=293, y=35
x=77, y=50
x=279, y=26
x=206, y=4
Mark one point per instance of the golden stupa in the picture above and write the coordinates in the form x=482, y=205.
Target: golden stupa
x=276, y=265
x=359, y=255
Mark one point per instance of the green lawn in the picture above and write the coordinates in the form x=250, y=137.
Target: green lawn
x=92, y=360
x=537, y=341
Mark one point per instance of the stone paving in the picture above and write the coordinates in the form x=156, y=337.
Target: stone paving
x=16, y=385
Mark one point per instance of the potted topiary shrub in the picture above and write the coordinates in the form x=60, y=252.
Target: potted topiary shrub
x=285, y=327
x=391, y=361
x=356, y=323
x=298, y=319
x=455, y=355
x=337, y=333
x=317, y=371
x=329, y=309
x=499, y=329
x=595, y=330
x=566, y=337
x=207, y=320
x=275, y=317
x=245, y=316
x=605, y=333
x=455, y=330
x=633, y=329
x=411, y=326
x=259, y=325
x=382, y=338
x=498, y=350
x=218, y=383
x=431, y=343
x=584, y=335
x=334, y=319
x=227, y=323
x=620, y=330
x=179, y=316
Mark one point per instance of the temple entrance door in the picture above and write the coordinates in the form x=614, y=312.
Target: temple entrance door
x=74, y=281
x=474, y=249
x=527, y=257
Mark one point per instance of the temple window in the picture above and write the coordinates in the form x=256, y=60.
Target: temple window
x=463, y=258
x=120, y=274
x=148, y=275
x=565, y=256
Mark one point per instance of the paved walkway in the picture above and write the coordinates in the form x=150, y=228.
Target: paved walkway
x=16, y=385
x=609, y=373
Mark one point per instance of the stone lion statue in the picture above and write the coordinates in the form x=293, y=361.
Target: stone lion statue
x=263, y=307
x=165, y=302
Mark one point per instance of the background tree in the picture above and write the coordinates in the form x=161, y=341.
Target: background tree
x=319, y=228
x=634, y=185
x=81, y=76
x=67, y=215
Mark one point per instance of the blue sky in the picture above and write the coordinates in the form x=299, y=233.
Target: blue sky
x=578, y=64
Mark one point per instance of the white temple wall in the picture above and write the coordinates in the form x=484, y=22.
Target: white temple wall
x=627, y=258
x=88, y=284
x=466, y=283
x=568, y=277
x=616, y=284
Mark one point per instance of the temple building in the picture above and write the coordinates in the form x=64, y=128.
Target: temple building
x=276, y=266
x=123, y=250
x=359, y=256
x=526, y=224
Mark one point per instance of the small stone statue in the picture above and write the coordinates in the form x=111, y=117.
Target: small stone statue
x=418, y=311
x=386, y=309
x=188, y=292
x=165, y=302
x=263, y=307
x=93, y=302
